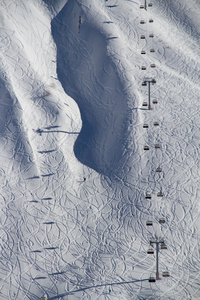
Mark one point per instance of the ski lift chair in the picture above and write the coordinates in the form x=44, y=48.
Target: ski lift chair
x=149, y=223
x=165, y=274
x=152, y=279
x=160, y=194
x=146, y=147
x=163, y=246
x=150, y=251
x=148, y=196
x=157, y=146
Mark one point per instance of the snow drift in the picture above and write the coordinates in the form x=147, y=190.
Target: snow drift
x=77, y=185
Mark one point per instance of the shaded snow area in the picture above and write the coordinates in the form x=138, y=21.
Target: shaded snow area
x=99, y=143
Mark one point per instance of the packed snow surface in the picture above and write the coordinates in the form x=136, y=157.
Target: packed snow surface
x=85, y=162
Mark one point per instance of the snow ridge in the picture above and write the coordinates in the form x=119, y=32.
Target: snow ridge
x=78, y=187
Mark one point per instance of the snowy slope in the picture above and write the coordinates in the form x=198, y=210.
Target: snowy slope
x=74, y=172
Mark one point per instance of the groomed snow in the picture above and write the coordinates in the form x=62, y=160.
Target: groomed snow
x=74, y=174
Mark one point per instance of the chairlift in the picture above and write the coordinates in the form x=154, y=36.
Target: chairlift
x=150, y=20
x=143, y=68
x=149, y=223
x=148, y=196
x=160, y=194
x=162, y=220
x=158, y=170
x=150, y=251
x=144, y=104
x=150, y=5
x=152, y=279
x=146, y=147
x=141, y=6
x=142, y=37
x=153, y=65
x=145, y=125
x=157, y=146
x=153, y=81
x=163, y=246
x=143, y=52
x=165, y=274
x=156, y=124
x=142, y=22
x=155, y=101
x=152, y=50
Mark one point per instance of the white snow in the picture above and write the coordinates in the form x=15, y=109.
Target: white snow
x=74, y=173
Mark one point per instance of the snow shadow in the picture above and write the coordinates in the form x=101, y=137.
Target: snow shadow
x=89, y=75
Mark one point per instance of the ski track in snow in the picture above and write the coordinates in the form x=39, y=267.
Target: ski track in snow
x=74, y=173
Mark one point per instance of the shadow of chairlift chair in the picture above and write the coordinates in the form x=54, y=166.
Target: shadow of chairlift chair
x=155, y=101
x=143, y=52
x=151, y=35
x=144, y=103
x=156, y=123
x=150, y=20
x=152, y=50
x=142, y=37
x=146, y=148
x=153, y=65
x=158, y=170
x=143, y=68
x=145, y=125
x=142, y=22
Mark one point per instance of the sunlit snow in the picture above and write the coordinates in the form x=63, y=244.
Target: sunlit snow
x=89, y=174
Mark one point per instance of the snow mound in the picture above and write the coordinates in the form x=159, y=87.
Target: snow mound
x=89, y=174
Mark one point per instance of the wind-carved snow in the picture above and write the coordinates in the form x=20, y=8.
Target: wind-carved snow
x=74, y=173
